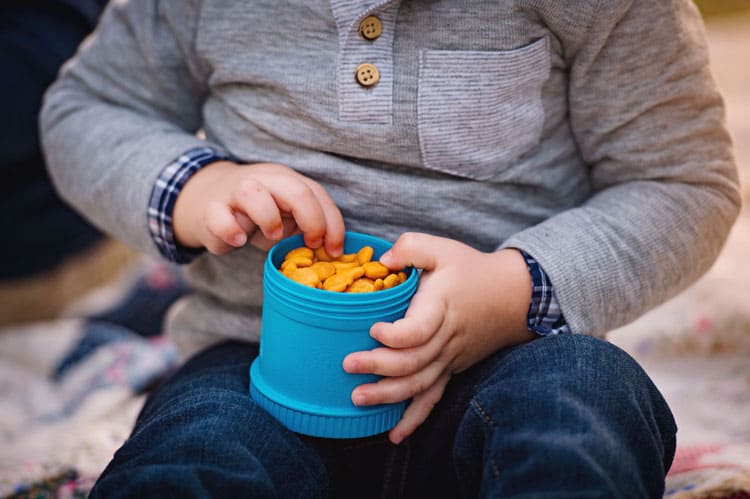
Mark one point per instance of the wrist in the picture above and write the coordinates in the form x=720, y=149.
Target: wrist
x=188, y=208
x=514, y=285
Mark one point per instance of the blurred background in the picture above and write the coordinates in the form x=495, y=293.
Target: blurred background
x=696, y=347
x=728, y=29
x=81, y=342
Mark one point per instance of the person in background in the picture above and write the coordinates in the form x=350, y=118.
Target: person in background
x=50, y=253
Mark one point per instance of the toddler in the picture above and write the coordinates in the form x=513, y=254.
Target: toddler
x=555, y=168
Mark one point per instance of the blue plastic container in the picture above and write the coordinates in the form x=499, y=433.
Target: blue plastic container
x=305, y=335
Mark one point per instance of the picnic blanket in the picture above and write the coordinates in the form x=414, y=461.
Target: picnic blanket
x=71, y=388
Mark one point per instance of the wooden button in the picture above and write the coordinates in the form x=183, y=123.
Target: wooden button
x=367, y=74
x=370, y=28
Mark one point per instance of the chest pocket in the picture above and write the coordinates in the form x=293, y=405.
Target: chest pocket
x=477, y=112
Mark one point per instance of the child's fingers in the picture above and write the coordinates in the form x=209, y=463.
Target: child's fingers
x=217, y=246
x=334, y=238
x=423, y=319
x=254, y=199
x=262, y=242
x=296, y=197
x=395, y=362
x=414, y=249
x=247, y=225
x=290, y=226
x=222, y=225
x=390, y=390
x=418, y=410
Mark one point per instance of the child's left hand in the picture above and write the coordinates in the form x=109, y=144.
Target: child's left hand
x=468, y=305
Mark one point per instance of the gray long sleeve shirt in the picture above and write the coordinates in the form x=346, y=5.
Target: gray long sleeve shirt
x=589, y=134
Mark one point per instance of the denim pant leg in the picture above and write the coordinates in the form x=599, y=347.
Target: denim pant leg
x=567, y=416
x=564, y=416
x=201, y=435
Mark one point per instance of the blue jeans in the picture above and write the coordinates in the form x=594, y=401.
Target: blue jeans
x=562, y=416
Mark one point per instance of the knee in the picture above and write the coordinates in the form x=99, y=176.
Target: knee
x=580, y=363
x=199, y=421
x=212, y=440
x=576, y=382
x=579, y=399
x=202, y=430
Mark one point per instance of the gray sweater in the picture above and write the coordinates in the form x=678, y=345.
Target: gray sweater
x=589, y=134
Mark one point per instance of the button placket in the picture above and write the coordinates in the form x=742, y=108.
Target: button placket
x=368, y=74
x=365, y=77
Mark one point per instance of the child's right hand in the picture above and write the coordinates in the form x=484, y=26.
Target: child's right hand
x=221, y=206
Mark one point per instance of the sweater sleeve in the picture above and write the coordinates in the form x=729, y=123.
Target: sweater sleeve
x=125, y=106
x=649, y=123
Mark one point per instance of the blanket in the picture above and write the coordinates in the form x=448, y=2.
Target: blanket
x=72, y=388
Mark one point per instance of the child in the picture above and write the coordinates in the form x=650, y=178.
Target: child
x=556, y=168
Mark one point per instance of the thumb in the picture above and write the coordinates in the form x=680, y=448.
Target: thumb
x=413, y=249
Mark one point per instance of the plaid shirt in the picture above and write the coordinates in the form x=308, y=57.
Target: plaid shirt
x=544, y=316
x=163, y=197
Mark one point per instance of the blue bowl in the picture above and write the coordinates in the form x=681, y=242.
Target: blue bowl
x=305, y=335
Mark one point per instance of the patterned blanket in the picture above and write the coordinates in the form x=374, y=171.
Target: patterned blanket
x=71, y=389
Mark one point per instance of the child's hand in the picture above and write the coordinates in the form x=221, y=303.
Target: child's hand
x=468, y=305
x=223, y=204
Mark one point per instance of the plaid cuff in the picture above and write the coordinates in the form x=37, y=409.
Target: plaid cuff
x=163, y=197
x=544, y=317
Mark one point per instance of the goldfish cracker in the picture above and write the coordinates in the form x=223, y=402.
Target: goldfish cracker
x=300, y=261
x=337, y=282
x=375, y=270
x=351, y=257
x=352, y=272
x=287, y=263
x=364, y=255
x=363, y=285
x=305, y=276
x=324, y=269
x=344, y=265
x=302, y=251
x=322, y=255
x=390, y=281
x=288, y=268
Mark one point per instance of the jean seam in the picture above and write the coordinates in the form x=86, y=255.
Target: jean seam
x=485, y=417
x=388, y=473
x=495, y=469
x=404, y=474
